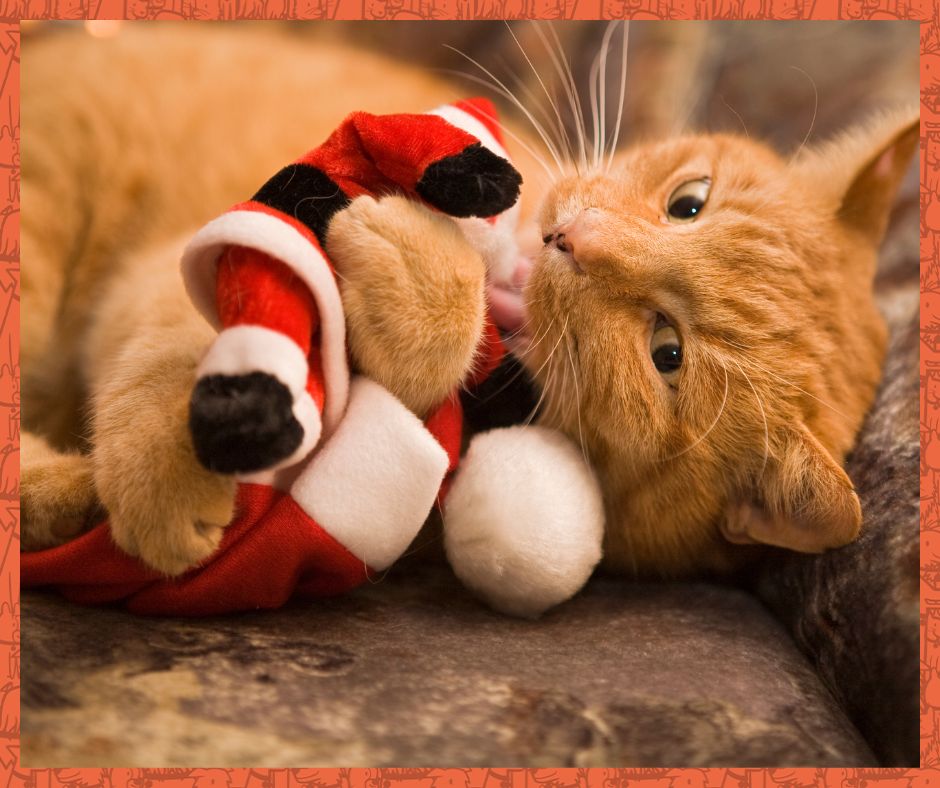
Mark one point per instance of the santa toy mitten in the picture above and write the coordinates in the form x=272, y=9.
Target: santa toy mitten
x=274, y=381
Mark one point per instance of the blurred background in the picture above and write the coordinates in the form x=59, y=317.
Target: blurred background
x=764, y=78
x=786, y=82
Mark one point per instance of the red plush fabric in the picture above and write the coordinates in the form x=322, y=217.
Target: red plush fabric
x=271, y=551
x=279, y=300
x=255, y=289
x=378, y=154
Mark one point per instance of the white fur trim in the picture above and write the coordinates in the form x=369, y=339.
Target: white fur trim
x=464, y=120
x=373, y=483
x=306, y=412
x=524, y=519
x=258, y=230
x=496, y=243
x=243, y=349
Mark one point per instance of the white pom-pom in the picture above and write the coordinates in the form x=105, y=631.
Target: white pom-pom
x=524, y=519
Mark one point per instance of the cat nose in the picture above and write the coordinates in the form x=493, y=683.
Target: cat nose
x=579, y=236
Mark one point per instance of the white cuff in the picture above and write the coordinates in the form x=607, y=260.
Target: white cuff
x=374, y=481
x=305, y=411
x=276, y=237
x=243, y=349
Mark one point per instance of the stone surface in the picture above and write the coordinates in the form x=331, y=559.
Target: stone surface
x=414, y=671
x=856, y=610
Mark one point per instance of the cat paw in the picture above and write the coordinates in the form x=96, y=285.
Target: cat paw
x=174, y=538
x=243, y=423
x=57, y=500
x=412, y=289
x=163, y=506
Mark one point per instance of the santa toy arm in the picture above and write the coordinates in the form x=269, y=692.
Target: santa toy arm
x=260, y=396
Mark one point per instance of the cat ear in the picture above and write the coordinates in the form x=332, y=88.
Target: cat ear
x=861, y=170
x=804, y=500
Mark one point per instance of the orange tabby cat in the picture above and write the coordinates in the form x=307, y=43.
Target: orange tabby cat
x=701, y=316
x=713, y=303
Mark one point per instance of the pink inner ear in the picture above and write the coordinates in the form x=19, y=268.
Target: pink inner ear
x=885, y=164
x=734, y=524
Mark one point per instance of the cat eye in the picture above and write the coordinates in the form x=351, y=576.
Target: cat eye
x=666, y=349
x=687, y=201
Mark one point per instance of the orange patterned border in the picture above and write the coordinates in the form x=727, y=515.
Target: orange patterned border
x=12, y=774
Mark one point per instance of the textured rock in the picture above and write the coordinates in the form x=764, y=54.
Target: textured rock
x=413, y=671
x=856, y=610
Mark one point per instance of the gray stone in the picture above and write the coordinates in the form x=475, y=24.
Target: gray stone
x=413, y=671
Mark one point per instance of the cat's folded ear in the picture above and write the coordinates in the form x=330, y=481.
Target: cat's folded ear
x=858, y=173
x=802, y=500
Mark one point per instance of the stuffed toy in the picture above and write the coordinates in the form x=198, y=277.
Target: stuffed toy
x=336, y=475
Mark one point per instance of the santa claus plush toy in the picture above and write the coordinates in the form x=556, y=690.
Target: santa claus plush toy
x=336, y=474
x=523, y=522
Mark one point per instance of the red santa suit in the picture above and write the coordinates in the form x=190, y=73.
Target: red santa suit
x=345, y=494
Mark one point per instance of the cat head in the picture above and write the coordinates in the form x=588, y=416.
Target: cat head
x=702, y=322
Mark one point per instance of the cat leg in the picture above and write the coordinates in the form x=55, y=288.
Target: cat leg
x=412, y=290
x=57, y=494
x=163, y=505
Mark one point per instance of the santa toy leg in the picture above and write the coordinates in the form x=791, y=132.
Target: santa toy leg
x=524, y=519
x=259, y=391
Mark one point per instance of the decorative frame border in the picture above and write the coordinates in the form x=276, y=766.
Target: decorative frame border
x=927, y=12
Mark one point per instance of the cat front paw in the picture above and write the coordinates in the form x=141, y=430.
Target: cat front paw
x=164, y=507
x=243, y=423
x=412, y=289
x=173, y=537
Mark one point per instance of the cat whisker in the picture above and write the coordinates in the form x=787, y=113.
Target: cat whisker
x=593, y=81
x=624, y=49
x=782, y=379
x=559, y=134
x=554, y=106
x=547, y=385
x=538, y=404
x=577, y=393
x=552, y=176
x=522, y=369
x=554, y=348
x=553, y=151
x=704, y=435
x=556, y=407
x=526, y=324
x=812, y=122
x=601, y=153
x=763, y=414
x=563, y=68
x=737, y=115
